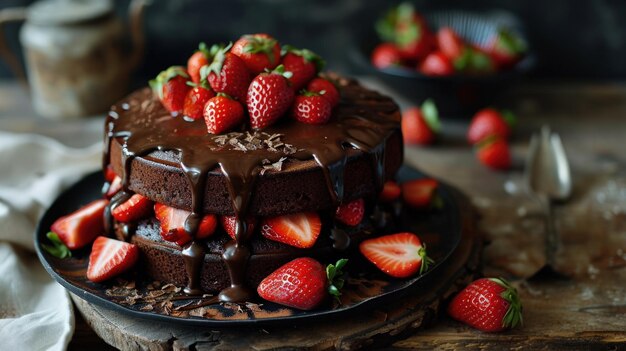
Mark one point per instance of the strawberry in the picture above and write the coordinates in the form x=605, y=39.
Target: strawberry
x=490, y=122
x=506, y=48
x=114, y=187
x=172, y=222
x=391, y=191
x=229, y=223
x=477, y=61
x=419, y=192
x=421, y=125
x=487, y=304
x=326, y=88
x=171, y=88
x=227, y=73
x=82, y=226
x=298, y=229
x=494, y=153
x=222, y=113
x=404, y=27
x=302, y=283
x=134, y=209
x=351, y=213
x=110, y=257
x=450, y=43
x=311, y=108
x=109, y=174
x=399, y=255
x=303, y=64
x=436, y=64
x=258, y=51
x=199, y=59
x=195, y=100
x=269, y=97
x=386, y=55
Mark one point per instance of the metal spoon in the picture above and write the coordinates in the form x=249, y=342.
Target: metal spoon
x=548, y=178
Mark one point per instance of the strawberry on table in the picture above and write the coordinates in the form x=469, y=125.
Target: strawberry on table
x=490, y=122
x=418, y=193
x=303, y=64
x=311, y=108
x=299, y=229
x=386, y=55
x=133, y=209
x=199, y=59
x=391, y=191
x=195, y=100
x=436, y=64
x=81, y=227
x=229, y=224
x=326, y=88
x=506, y=48
x=399, y=255
x=487, y=304
x=259, y=52
x=227, y=73
x=171, y=88
x=172, y=221
x=303, y=283
x=351, y=213
x=109, y=258
x=421, y=125
x=494, y=153
x=222, y=113
x=269, y=97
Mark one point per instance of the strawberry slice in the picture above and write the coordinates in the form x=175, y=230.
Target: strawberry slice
x=351, y=213
x=114, y=187
x=229, y=224
x=81, y=227
x=173, y=224
x=298, y=229
x=419, y=192
x=399, y=255
x=391, y=191
x=110, y=257
x=109, y=174
x=134, y=209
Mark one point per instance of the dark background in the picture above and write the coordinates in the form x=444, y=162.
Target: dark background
x=584, y=40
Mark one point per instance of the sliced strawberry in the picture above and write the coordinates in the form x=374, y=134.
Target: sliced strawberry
x=391, y=191
x=419, y=192
x=114, y=187
x=110, y=257
x=227, y=74
x=171, y=88
x=299, y=229
x=229, y=224
x=195, y=100
x=303, y=65
x=269, y=97
x=172, y=222
x=82, y=226
x=326, y=88
x=351, y=213
x=399, y=255
x=311, y=108
x=494, y=153
x=259, y=52
x=199, y=59
x=134, y=209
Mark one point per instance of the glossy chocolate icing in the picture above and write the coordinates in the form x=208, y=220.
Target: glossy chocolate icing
x=364, y=120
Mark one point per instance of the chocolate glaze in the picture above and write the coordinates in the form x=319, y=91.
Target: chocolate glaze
x=144, y=126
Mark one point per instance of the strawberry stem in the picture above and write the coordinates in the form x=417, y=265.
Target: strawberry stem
x=426, y=261
x=280, y=69
x=431, y=115
x=513, y=316
x=58, y=248
x=164, y=77
x=308, y=55
x=260, y=45
x=218, y=52
x=336, y=278
x=509, y=118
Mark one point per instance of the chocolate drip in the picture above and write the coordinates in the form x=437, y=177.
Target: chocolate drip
x=341, y=239
x=193, y=255
x=117, y=199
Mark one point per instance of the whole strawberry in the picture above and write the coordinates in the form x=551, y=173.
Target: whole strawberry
x=269, y=97
x=326, y=88
x=195, y=100
x=436, y=64
x=222, y=113
x=351, y=213
x=490, y=122
x=404, y=27
x=171, y=88
x=494, y=153
x=421, y=125
x=506, y=49
x=199, y=59
x=302, y=283
x=311, y=108
x=303, y=65
x=488, y=304
x=386, y=55
x=227, y=73
x=258, y=51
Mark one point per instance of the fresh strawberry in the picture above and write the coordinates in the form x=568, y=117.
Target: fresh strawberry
x=476, y=61
x=229, y=224
x=403, y=26
x=391, y=191
x=351, y=213
x=450, y=43
x=199, y=59
x=302, y=283
x=326, y=88
x=298, y=229
x=221, y=114
x=110, y=257
x=172, y=222
x=258, y=51
x=494, y=153
x=490, y=122
x=134, y=209
x=269, y=97
x=487, y=304
x=303, y=65
x=227, y=73
x=195, y=100
x=436, y=64
x=171, y=88
x=419, y=192
x=311, y=108
x=82, y=226
x=114, y=187
x=421, y=125
x=399, y=255
x=506, y=48
x=386, y=55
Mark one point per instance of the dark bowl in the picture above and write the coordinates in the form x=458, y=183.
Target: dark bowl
x=458, y=95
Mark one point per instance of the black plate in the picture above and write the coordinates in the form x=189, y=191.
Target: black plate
x=440, y=229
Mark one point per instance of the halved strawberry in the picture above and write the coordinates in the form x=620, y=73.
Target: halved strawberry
x=399, y=255
x=82, y=226
x=298, y=229
x=114, y=187
x=173, y=224
x=351, y=213
x=229, y=224
x=134, y=209
x=419, y=192
x=110, y=257
x=391, y=191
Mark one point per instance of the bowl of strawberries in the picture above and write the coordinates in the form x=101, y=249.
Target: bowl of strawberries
x=461, y=60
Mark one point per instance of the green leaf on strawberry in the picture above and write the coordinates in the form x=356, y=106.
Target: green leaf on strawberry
x=57, y=249
x=509, y=42
x=336, y=278
x=307, y=54
x=426, y=261
x=164, y=77
x=218, y=52
x=431, y=115
x=513, y=316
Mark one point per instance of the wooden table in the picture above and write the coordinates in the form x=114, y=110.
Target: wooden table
x=585, y=312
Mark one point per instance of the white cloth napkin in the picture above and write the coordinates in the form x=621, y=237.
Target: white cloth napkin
x=35, y=312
